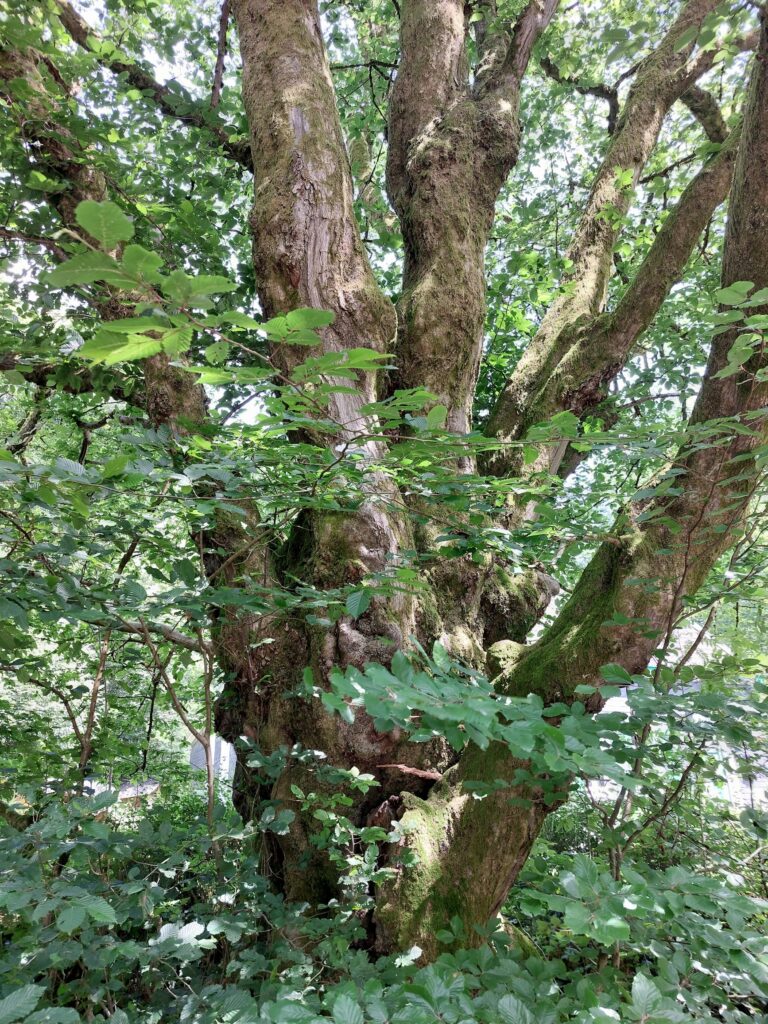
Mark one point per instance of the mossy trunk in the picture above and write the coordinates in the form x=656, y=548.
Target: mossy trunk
x=453, y=138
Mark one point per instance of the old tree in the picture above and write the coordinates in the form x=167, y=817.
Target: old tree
x=403, y=377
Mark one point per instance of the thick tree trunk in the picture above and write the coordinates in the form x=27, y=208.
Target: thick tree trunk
x=470, y=851
x=307, y=252
x=453, y=138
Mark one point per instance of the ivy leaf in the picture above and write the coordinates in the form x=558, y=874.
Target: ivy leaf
x=19, y=1003
x=105, y=222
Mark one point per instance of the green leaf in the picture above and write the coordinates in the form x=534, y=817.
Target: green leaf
x=60, y=1015
x=436, y=417
x=97, y=908
x=70, y=919
x=277, y=327
x=194, y=291
x=134, y=324
x=646, y=998
x=358, y=602
x=298, y=319
x=19, y=1003
x=611, y=929
x=613, y=673
x=105, y=222
x=142, y=264
x=109, y=349
x=86, y=268
x=347, y=1011
x=115, y=467
x=734, y=294
x=217, y=353
x=512, y=1011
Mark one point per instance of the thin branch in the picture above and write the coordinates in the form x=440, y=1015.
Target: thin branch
x=166, y=632
x=164, y=97
x=26, y=431
x=171, y=689
x=528, y=27
x=46, y=243
x=600, y=90
x=221, y=52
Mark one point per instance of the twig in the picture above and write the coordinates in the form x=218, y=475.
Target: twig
x=221, y=52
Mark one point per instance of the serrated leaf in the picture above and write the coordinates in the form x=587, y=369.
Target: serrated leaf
x=298, y=319
x=142, y=264
x=87, y=268
x=70, y=919
x=646, y=997
x=107, y=348
x=105, y=222
x=613, y=673
x=347, y=1011
x=61, y=1015
x=734, y=294
x=358, y=602
x=115, y=467
x=19, y=1003
x=97, y=909
x=217, y=353
x=512, y=1011
x=436, y=417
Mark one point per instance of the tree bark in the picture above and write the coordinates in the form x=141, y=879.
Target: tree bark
x=470, y=851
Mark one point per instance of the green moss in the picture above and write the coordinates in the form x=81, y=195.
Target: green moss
x=501, y=657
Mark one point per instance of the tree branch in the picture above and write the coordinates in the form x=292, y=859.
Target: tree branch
x=171, y=103
x=46, y=243
x=221, y=52
x=659, y=82
x=662, y=558
x=450, y=151
x=601, y=346
x=601, y=91
x=705, y=109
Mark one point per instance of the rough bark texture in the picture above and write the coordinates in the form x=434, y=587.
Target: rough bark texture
x=451, y=147
x=662, y=78
x=308, y=252
x=453, y=137
x=645, y=577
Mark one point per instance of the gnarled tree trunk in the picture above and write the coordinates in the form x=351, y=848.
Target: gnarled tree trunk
x=454, y=135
